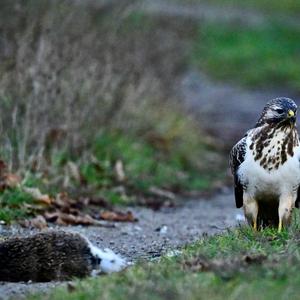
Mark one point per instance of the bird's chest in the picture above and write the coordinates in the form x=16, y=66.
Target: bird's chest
x=271, y=163
x=273, y=148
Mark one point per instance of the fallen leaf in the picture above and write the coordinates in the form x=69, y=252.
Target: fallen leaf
x=51, y=216
x=62, y=201
x=11, y=180
x=118, y=216
x=69, y=219
x=38, y=222
x=37, y=195
x=162, y=193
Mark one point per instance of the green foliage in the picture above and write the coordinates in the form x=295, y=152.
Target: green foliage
x=275, y=277
x=144, y=166
x=12, y=204
x=257, y=57
x=269, y=6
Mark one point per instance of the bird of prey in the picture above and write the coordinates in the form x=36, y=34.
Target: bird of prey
x=266, y=168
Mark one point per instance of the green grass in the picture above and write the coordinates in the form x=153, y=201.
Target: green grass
x=237, y=264
x=270, y=6
x=260, y=57
x=146, y=166
x=13, y=205
x=17, y=205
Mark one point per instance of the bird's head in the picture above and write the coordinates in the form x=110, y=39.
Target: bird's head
x=279, y=111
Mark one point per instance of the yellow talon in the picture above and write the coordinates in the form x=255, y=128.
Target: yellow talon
x=280, y=226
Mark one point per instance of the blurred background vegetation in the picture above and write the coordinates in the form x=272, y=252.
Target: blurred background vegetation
x=90, y=97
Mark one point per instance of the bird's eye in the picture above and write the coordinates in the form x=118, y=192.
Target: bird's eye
x=279, y=111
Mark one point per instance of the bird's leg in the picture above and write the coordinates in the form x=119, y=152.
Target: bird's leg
x=251, y=210
x=286, y=205
x=280, y=225
x=255, y=224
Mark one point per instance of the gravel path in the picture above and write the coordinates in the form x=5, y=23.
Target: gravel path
x=155, y=233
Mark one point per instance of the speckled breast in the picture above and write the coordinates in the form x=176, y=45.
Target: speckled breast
x=271, y=146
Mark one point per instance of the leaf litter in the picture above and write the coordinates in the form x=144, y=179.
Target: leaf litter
x=62, y=209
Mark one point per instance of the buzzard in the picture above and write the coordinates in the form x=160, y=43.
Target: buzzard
x=266, y=168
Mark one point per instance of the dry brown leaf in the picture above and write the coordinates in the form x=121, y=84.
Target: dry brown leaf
x=65, y=219
x=69, y=219
x=34, y=207
x=162, y=193
x=38, y=222
x=62, y=201
x=8, y=180
x=36, y=194
x=51, y=216
x=12, y=180
x=118, y=216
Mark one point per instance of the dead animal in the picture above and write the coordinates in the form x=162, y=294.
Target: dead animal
x=54, y=255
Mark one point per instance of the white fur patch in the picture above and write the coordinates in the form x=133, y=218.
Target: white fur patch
x=110, y=261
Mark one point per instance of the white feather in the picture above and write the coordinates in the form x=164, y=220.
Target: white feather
x=277, y=182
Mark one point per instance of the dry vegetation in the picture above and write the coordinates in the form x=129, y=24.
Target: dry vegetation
x=83, y=88
x=69, y=72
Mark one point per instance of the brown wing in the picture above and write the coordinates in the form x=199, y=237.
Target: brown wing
x=237, y=156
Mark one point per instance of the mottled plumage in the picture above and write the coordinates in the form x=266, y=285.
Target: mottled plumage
x=265, y=166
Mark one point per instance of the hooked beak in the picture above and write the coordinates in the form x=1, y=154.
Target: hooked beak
x=291, y=116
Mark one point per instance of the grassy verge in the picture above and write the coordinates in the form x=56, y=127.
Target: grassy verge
x=13, y=205
x=151, y=163
x=120, y=169
x=239, y=263
x=290, y=6
x=259, y=57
